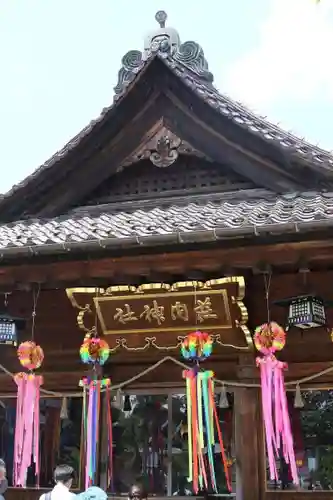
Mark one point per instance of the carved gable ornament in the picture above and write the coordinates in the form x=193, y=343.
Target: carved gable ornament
x=160, y=315
x=162, y=147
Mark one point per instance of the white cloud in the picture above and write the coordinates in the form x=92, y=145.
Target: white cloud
x=292, y=58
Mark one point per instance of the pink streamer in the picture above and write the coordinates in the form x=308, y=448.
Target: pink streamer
x=274, y=402
x=26, y=444
x=89, y=438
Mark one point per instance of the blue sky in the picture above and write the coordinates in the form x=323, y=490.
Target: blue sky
x=60, y=60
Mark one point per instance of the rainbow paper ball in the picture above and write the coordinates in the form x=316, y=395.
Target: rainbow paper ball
x=269, y=338
x=30, y=355
x=94, y=351
x=197, y=346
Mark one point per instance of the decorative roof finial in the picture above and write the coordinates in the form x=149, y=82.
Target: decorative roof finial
x=161, y=18
x=163, y=40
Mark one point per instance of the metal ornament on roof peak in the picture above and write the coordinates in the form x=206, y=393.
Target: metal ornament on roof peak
x=164, y=42
x=164, y=39
x=161, y=16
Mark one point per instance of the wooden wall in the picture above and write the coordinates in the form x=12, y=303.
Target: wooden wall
x=57, y=332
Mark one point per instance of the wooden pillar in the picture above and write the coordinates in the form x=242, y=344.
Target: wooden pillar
x=249, y=445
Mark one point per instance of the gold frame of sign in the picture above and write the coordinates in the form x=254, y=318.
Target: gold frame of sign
x=160, y=315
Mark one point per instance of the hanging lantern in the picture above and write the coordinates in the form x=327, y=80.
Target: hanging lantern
x=8, y=332
x=9, y=327
x=305, y=311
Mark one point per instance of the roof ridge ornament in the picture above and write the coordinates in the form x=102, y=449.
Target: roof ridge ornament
x=161, y=16
x=164, y=39
x=164, y=42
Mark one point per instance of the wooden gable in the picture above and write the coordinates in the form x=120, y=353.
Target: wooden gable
x=187, y=176
x=168, y=87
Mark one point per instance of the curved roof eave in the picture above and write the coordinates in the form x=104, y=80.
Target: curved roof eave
x=188, y=63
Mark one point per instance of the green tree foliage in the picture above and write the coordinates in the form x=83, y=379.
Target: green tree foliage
x=317, y=427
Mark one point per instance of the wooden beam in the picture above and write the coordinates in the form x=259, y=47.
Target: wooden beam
x=176, y=263
x=262, y=172
x=44, y=187
x=99, y=168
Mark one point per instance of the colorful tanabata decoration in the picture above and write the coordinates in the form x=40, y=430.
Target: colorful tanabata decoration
x=30, y=355
x=197, y=346
x=26, y=443
x=91, y=416
x=201, y=414
x=268, y=339
x=95, y=351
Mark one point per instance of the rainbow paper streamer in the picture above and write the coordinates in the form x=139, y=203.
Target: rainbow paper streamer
x=201, y=414
x=91, y=419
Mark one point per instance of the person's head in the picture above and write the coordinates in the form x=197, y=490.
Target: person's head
x=93, y=493
x=64, y=474
x=137, y=492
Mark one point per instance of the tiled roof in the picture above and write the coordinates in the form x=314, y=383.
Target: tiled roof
x=189, y=63
x=233, y=217
x=201, y=84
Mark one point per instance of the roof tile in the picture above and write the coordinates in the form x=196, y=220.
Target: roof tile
x=211, y=215
x=189, y=63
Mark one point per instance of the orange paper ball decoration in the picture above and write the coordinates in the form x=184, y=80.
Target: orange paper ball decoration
x=30, y=355
x=269, y=338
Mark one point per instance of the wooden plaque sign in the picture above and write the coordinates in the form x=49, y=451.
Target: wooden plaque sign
x=166, y=312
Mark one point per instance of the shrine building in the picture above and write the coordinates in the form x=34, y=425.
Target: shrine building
x=177, y=209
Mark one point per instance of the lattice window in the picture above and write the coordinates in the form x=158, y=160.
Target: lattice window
x=144, y=180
